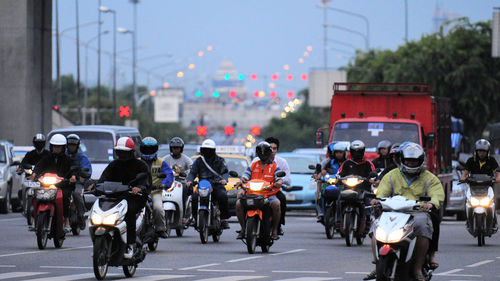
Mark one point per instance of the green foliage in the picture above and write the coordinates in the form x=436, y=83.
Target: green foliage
x=457, y=65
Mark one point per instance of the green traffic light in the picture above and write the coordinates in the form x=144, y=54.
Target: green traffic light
x=227, y=76
x=198, y=94
x=241, y=77
x=216, y=94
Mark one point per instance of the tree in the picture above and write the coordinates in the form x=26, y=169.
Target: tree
x=457, y=65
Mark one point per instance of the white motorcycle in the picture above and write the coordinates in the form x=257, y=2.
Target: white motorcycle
x=396, y=240
x=480, y=207
x=108, y=230
x=176, y=211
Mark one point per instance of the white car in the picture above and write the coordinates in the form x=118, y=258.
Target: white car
x=10, y=181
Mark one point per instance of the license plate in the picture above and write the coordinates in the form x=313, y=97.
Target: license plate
x=31, y=184
x=249, y=202
x=290, y=196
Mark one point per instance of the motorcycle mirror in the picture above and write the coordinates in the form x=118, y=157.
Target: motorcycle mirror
x=312, y=167
x=15, y=163
x=424, y=198
x=225, y=171
x=182, y=175
x=281, y=174
x=234, y=174
x=162, y=176
x=27, y=166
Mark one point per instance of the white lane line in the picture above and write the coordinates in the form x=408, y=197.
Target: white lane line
x=66, y=267
x=226, y=270
x=298, y=271
x=232, y=278
x=479, y=263
x=199, y=266
x=155, y=269
x=67, y=277
x=356, y=272
x=461, y=275
x=449, y=272
x=289, y=252
x=7, y=265
x=160, y=277
x=245, y=259
x=311, y=279
x=19, y=274
x=13, y=219
x=43, y=252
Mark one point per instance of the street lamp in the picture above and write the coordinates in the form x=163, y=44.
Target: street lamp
x=134, y=98
x=349, y=30
x=108, y=10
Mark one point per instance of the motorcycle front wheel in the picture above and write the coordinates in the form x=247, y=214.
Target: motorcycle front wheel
x=329, y=222
x=202, y=226
x=29, y=211
x=99, y=259
x=129, y=270
x=42, y=230
x=384, y=267
x=169, y=221
x=479, y=229
x=348, y=229
x=251, y=232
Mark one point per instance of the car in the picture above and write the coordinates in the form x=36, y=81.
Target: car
x=321, y=152
x=456, y=201
x=10, y=181
x=20, y=151
x=302, y=193
x=189, y=149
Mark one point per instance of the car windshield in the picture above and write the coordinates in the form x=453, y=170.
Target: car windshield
x=371, y=133
x=98, y=146
x=300, y=165
x=3, y=158
x=236, y=164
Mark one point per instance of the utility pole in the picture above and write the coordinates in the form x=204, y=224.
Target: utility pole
x=78, y=95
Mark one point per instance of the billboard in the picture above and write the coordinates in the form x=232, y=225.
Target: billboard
x=321, y=86
x=167, y=105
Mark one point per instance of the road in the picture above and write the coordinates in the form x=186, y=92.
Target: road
x=303, y=253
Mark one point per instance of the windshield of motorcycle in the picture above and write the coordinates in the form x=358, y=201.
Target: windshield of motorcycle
x=372, y=133
x=110, y=187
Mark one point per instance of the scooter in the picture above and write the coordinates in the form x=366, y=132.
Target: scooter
x=48, y=211
x=258, y=227
x=208, y=220
x=396, y=240
x=108, y=229
x=176, y=211
x=480, y=207
x=27, y=194
x=330, y=197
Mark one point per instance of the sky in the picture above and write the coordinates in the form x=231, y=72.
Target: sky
x=258, y=37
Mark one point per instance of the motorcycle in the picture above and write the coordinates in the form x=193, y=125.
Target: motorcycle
x=176, y=211
x=480, y=207
x=330, y=220
x=108, y=229
x=48, y=211
x=77, y=221
x=258, y=227
x=396, y=240
x=27, y=193
x=354, y=223
x=208, y=220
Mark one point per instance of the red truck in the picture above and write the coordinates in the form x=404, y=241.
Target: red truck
x=398, y=113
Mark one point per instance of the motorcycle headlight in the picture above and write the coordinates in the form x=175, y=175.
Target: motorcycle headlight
x=96, y=219
x=109, y=219
x=332, y=181
x=256, y=186
x=352, y=182
x=380, y=234
x=485, y=202
x=396, y=235
x=49, y=180
x=203, y=192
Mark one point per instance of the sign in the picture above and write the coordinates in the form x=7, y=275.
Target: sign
x=167, y=105
x=321, y=86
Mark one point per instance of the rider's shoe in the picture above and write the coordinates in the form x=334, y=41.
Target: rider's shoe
x=280, y=231
x=162, y=234
x=319, y=218
x=224, y=224
x=129, y=252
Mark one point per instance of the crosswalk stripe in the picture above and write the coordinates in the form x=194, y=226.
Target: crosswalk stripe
x=161, y=277
x=312, y=279
x=19, y=274
x=232, y=278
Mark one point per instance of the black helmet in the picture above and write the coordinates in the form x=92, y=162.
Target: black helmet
x=176, y=142
x=148, y=148
x=264, y=151
x=482, y=144
x=384, y=144
x=73, y=139
x=357, y=150
x=39, y=141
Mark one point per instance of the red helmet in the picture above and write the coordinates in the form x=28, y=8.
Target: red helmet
x=125, y=144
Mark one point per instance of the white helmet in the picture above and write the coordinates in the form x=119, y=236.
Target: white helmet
x=412, y=151
x=58, y=139
x=208, y=143
x=125, y=144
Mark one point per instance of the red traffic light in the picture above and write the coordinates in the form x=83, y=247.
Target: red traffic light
x=255, y=94
x=303, y=76
x=228, y=130
x=56, y=107
x=289, y=77
x=290, y=94
x=232, y=94
x=124, y=111
x=253, y=76
x=255, y=130
x=202, y=130
x=273, y=94
x=274, y=77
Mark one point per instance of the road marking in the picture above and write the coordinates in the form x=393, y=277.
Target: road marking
x=66, y=267
x=19, y=274
x=449, y=272
x=232, y=278
x=225, y=270
x=160, y=277
x=298, y=271
x=155, y=269
x=199, y=266
x=67, y=277
x=13, y=219
x=312, y=279
x=7, y=265
x=355, y=272
x=289, y=252
x=43, y=252
x=245, y=259
x=479, y=263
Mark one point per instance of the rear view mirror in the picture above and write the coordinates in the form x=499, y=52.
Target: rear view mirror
x=430, y=140
x=319, y=138
x=162, y=176
x=27, y=166
x=281, y=174
x=234, y=174
x=311, y=167
x=373, y=174
x=15, y=163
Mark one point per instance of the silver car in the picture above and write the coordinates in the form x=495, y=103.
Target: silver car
x=10, y=181
x=456, y=201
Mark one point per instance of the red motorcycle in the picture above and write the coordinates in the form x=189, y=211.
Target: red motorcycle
x=48, y=211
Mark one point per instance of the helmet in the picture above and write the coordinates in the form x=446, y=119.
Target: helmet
x=125, y=144
x=39, y=141
x=149, y=148
x=329, y=150
x=412, y=151
x=383, y=144
x=207, y=149
x=58, y=139
x=339, y=147
x=263, y=151
x=395, y=153
x=394, y=149
x=482, y=144
x=176, y=142
x=357, y=150
x=208, y=143
x=73, y=139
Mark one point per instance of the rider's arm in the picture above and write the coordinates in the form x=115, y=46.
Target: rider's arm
x=436, y=192
x=188, y=163
x=384, y=188
x=165, y=168
x=85, y=163
x=287, y=180
x=225, y=176
x=193, y=173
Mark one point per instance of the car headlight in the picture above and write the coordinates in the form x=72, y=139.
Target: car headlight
x=96, y=219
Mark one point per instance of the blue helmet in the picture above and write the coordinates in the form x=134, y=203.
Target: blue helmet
x=149, y=148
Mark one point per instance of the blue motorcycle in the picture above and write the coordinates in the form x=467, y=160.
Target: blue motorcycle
x=209, y=220
x=329, y=196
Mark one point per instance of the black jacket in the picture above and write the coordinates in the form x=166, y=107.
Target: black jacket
x=382, y=162
x=126, y=171
x=361, y=169
x=32, y=157
x=487, y=167
x=200, y=170
x=59, y=164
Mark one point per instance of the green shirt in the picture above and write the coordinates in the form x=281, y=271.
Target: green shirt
x=393, y=183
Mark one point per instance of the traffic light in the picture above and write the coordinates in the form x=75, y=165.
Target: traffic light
x=255, y=94
x=227, y=76
x=56, y=107
x=232, y=94
x=274, y=77
x=290, y=94
x=198, y=94
x=228, y=130
x=289, y=77
x=253, y=76
x=273, y=94
x=124, y=111
x=241, y=77
x=202, y=130
x=303, y=76
x=216, y=94
x=255, y=130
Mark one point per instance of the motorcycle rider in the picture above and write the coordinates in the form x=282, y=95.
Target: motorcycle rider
x=59, y=163
x=149, y=154
x=384, y=160
x=213, y=168
x=32, y=157
x=264, y=169
x=179, y=162
x=412, y=180
x=481, y=162
x=357, y=165
x=124, y=169
x=287, y=180
x=83, y=161
x=394, y=163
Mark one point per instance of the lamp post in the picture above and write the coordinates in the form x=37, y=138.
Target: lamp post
x=351, y=31
x=134, y=54
x=99, y=65
x=134, y=98
x=108, y=10
x=78, y=95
